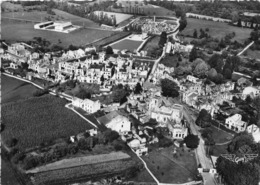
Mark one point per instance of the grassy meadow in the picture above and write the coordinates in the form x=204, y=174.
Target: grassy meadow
x=216, y=29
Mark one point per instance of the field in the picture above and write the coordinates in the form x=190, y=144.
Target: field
x=42, y=16
x=86, y=160
x=14, y=90
x=87, y=172
x=152, y=43
x=253, y=54
x=128, y=44
x=24, y=32
x=168, y=169
x=120, y=17
x=10, y=7
x=39, y=120
x=216, y=29
x=217, y=150
x=220, y=136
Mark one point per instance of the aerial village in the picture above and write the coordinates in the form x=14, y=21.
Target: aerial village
x=177, y=101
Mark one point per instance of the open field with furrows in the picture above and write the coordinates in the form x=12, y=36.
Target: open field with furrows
x=127, y=44
x=14, y=90
x=25, y=31
x=42, y=16
x=168, y=169
x=216, y=29
x=86, y=172
x=39, y=120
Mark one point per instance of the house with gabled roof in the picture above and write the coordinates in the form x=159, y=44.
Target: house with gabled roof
x=86, y=104
x=115, y=121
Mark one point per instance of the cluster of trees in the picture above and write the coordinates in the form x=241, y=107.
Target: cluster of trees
x=156, y=51
x=169, y=88
x=40, y=92
x=208, y=137
x=136, y=10
x=85, y=143
x=102, y=18
x=225, y=10
x=203, y=33
x=134, y=28
x=204, y=119
x=120, y=93
x=244, y=172
x=222, y=66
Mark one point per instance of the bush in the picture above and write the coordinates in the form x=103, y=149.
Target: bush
x=118, y=147
x=11, y=142
x=40, y=92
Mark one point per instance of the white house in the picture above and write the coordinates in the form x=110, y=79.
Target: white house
x=86, y=104
x=235, y=123
x=193, y=79
x=250, y=91
x=255, y=131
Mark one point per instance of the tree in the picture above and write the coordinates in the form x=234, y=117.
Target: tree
x=183, y=24
x=195, y=34
x=83, y=144
x=163, y=39
x=201, y=68
x=204, y=119
x=169, y=88
x=109, y=50
x=191, y=141
x=256, y=105
x=111, y=135
x=240, y=140
x=227, y=73
x=255, y=35
x=138, y=88
x=193, y=54
x=83, y=94
x=241, y=173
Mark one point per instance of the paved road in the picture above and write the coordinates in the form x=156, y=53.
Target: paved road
x=248, y=46
x=200, y=151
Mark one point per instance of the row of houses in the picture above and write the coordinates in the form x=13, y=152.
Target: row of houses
x=86, y=66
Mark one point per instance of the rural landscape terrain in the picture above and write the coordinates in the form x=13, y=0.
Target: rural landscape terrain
x=130, y=92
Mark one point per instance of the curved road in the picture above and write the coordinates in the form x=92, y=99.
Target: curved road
x=200, y=151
